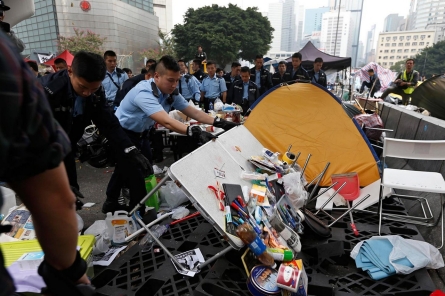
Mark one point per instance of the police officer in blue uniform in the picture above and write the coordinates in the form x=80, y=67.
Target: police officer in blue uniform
x=317, y=75
x=144, y=105
x=188, y=85
x=281, y=76
x=212, y=87
x=231, y=77
x=77, y=98
x=298, y=72
x=114, y=78
x=244, y=91
x=261, y=76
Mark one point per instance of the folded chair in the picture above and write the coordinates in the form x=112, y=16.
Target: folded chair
x=413, y=180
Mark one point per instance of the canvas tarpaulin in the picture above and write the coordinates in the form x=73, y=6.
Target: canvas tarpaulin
x=314, y=122
x=431, y=96
x=386, y=76
x=309, y=53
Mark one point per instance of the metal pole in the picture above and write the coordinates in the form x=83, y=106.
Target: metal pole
x=347, y=212
x=338, y=22
x=223, y=252
x=142, y=202
x=329, y=199
x=132, y=236
x=319, y=180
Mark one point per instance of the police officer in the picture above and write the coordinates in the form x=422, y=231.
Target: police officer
x=188, y=85
x=201, y=56
x=244, y=91
x=132, y=82
x=77, y=98
x=114, y=78
x=298, y=72
x=212, y=87
x=144, y=105
x=231, y=77
x=317, y=75
x=261, y=76
x=197, y=72
x=280, y=76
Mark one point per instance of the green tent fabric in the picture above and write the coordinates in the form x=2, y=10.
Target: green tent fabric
x=430, y=95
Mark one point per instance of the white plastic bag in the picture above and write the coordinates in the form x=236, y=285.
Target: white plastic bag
x=295, y=189
x=420, y=254
x=218, y=105
x=171, y=196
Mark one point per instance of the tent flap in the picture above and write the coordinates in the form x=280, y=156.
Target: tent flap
x=314, y=122
x=430, y=95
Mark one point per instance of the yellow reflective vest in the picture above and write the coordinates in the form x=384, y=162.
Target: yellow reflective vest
x=409, y=90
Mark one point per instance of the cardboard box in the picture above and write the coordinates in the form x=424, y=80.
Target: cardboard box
x=259, y=192
x=293, y=278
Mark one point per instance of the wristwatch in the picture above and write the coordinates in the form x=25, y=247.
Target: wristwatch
x=127, y=150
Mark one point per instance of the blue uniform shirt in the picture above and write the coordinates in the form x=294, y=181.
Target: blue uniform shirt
x=191, y=89
x=141, y=102
x=213, y=87
x=245, y=90
x=109, y=87
x=258, y=78
x=316, y=76
x=79, y=105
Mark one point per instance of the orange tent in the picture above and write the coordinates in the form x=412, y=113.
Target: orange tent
x=66, y=55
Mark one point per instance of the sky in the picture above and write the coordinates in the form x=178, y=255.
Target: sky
x=374, y=11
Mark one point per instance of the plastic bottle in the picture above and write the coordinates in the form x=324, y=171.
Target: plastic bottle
x=246, y=233
x=147, y=241
x=292, y=239
x=211, y=106
x=280, y=254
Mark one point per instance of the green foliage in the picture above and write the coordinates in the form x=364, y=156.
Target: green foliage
x=86, y=41
x=429, y=61
x=225, y=33
x=166, y=46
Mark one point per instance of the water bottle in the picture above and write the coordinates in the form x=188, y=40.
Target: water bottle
x=211, y=106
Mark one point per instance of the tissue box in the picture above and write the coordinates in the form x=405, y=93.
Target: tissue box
x=293, y=278
x=259, y=192
x=31, y=261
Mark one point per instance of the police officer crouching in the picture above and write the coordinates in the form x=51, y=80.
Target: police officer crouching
x=147, y=103
x=77, y=98
x=244, y=91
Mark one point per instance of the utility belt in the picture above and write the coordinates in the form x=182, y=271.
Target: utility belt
x=144, y=135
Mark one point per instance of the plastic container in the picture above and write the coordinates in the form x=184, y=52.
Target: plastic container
x=8, y=200
x=211, y=106
x=153, y=200
x=263, y=281
x=352, y=188
x=119, y=226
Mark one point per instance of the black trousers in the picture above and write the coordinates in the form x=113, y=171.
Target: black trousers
x=398, y=91
x=207, y=103
x=127, y=174
x=369, y=86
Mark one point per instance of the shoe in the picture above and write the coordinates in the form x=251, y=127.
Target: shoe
x=112, y=206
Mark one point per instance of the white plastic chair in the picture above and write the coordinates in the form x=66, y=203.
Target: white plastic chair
x=413, y=180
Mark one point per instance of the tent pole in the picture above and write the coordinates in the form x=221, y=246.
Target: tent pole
x=350, y=83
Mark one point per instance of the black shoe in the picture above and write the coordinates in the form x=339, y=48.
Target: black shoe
x=112, y=206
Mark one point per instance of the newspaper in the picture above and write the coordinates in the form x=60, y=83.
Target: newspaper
x=106, y=258
x=21, y=221
x=189, y=260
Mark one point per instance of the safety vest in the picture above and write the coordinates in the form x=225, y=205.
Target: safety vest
x=409, y=90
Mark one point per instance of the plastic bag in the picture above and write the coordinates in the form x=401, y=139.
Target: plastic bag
x=180, y=213
x=100, y=231
x=171, y=196
x=420, y=254
x=218, y=105
x=294, y=189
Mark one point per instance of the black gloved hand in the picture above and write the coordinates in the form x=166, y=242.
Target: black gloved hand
x=224, y=124
x=197, y=133
x=135, y=156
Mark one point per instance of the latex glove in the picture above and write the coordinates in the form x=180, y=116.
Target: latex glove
x=135, y=156
x=224, y=124
x=197, y=133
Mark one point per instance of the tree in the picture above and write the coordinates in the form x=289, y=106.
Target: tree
x=431, y=60
x=86, y=41
x=225, y=33
x=399, y=66
x=166, y=46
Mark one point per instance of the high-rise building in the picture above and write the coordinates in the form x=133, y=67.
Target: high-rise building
x=163, y=9
x=300, y=26
x=285, y=18
x=429, y=15
x=370, y=42
x=337, y=33
x=275, y=18
x=128, y=25
x=355, y=7
x=312, y=19
x=397, y=46
x=392, y=22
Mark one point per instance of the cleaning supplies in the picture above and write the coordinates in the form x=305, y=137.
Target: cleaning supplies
x=119, y=226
